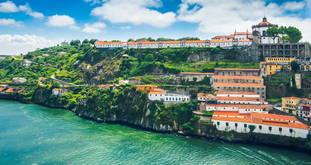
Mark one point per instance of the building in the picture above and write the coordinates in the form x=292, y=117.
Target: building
x=146, y=88
x=297, y=106
x=289, y=104
x=236, y=72
x=27, y=63
x=19, y=80
x=260, y=32
x=261, y=123
x=194, y=76
x=161, y=95
x=151, y=44
x=59, y=91
x=238, y=108
x=204, y=97
x=239, y=80
x=238, y=39
x=272, y=65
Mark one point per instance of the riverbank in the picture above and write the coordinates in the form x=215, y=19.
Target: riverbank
x=139, y=113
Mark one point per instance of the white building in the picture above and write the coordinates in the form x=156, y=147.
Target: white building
x=238, y=108
x=162, y=95
x=260, y=123
x=59, y=91
x=260, y=32
x=19, y=80
x=27, y=63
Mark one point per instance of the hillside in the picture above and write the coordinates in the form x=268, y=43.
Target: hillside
x=83, y=64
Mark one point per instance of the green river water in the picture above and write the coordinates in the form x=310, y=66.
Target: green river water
x=32, y=134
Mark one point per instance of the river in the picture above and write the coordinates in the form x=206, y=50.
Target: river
x=32, y=134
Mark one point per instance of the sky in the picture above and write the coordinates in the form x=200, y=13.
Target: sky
x=26, y=25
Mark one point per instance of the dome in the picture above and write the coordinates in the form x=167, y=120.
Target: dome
x=264, y=22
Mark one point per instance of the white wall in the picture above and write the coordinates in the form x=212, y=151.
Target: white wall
x=296, y=132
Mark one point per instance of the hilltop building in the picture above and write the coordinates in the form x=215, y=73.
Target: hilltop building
x=260, y=32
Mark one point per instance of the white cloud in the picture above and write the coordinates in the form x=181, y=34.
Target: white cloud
x=8, y=7
x=17, y=44
x=223, y=16
x=28, y=11
x=294, y=6
x=62, y=21
x=136, y=12
x=10, y=22
x=94, y=28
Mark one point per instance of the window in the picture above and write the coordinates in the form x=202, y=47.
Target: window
x=270, y=128
x=245, y=125
x=236, y=124
x=227, y=124
x=280, y=129
x=291, y=130
x=260, y=127
x=218, y=123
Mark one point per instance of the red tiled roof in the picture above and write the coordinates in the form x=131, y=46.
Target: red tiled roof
x=238, y=98
x=10, y=90
x=238, y=85
x=241, y=106
x=236, y=93
x=1, y=89
x=237, y=69
x=260, y=118
x=196, y=73
x=206, y=95
x=237, y=77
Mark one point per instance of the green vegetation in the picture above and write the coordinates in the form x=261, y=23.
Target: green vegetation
x=290, y=34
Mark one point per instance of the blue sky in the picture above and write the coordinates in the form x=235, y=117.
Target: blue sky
x=29, y=24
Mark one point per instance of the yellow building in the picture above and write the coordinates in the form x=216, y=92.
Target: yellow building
x=289, y=104
x=272, y=65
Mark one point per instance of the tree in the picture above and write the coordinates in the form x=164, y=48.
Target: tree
x=92, y=41
x=294, y=34
x=130, y=40
x=85, y=41
x=188, y=38
x=75, y=43
x=290, y=34
x=295, y=66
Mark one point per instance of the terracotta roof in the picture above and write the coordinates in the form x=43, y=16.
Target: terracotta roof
x=106, y=85
x=236, y=93
x=238, y=85
x=217, y=41
x=243, y=33
x=237, y=69
x=109, y=43
x=195, y=41
x=219, y=37
x=238, y=98
x=10, y=90
x=237, y=77
x=206, y=95
x=241, y=106
x=146, y=86
x=157, y=91
x=260, y=118
x=196, y=73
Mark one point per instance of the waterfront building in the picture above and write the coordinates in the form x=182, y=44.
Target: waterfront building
x=260, y=123
x=272, y=65
x=205, y=97
x=238, y=108
x=259, y=89
x=237, y=79
x=289, y=104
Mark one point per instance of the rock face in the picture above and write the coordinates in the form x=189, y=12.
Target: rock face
x=138, y=113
